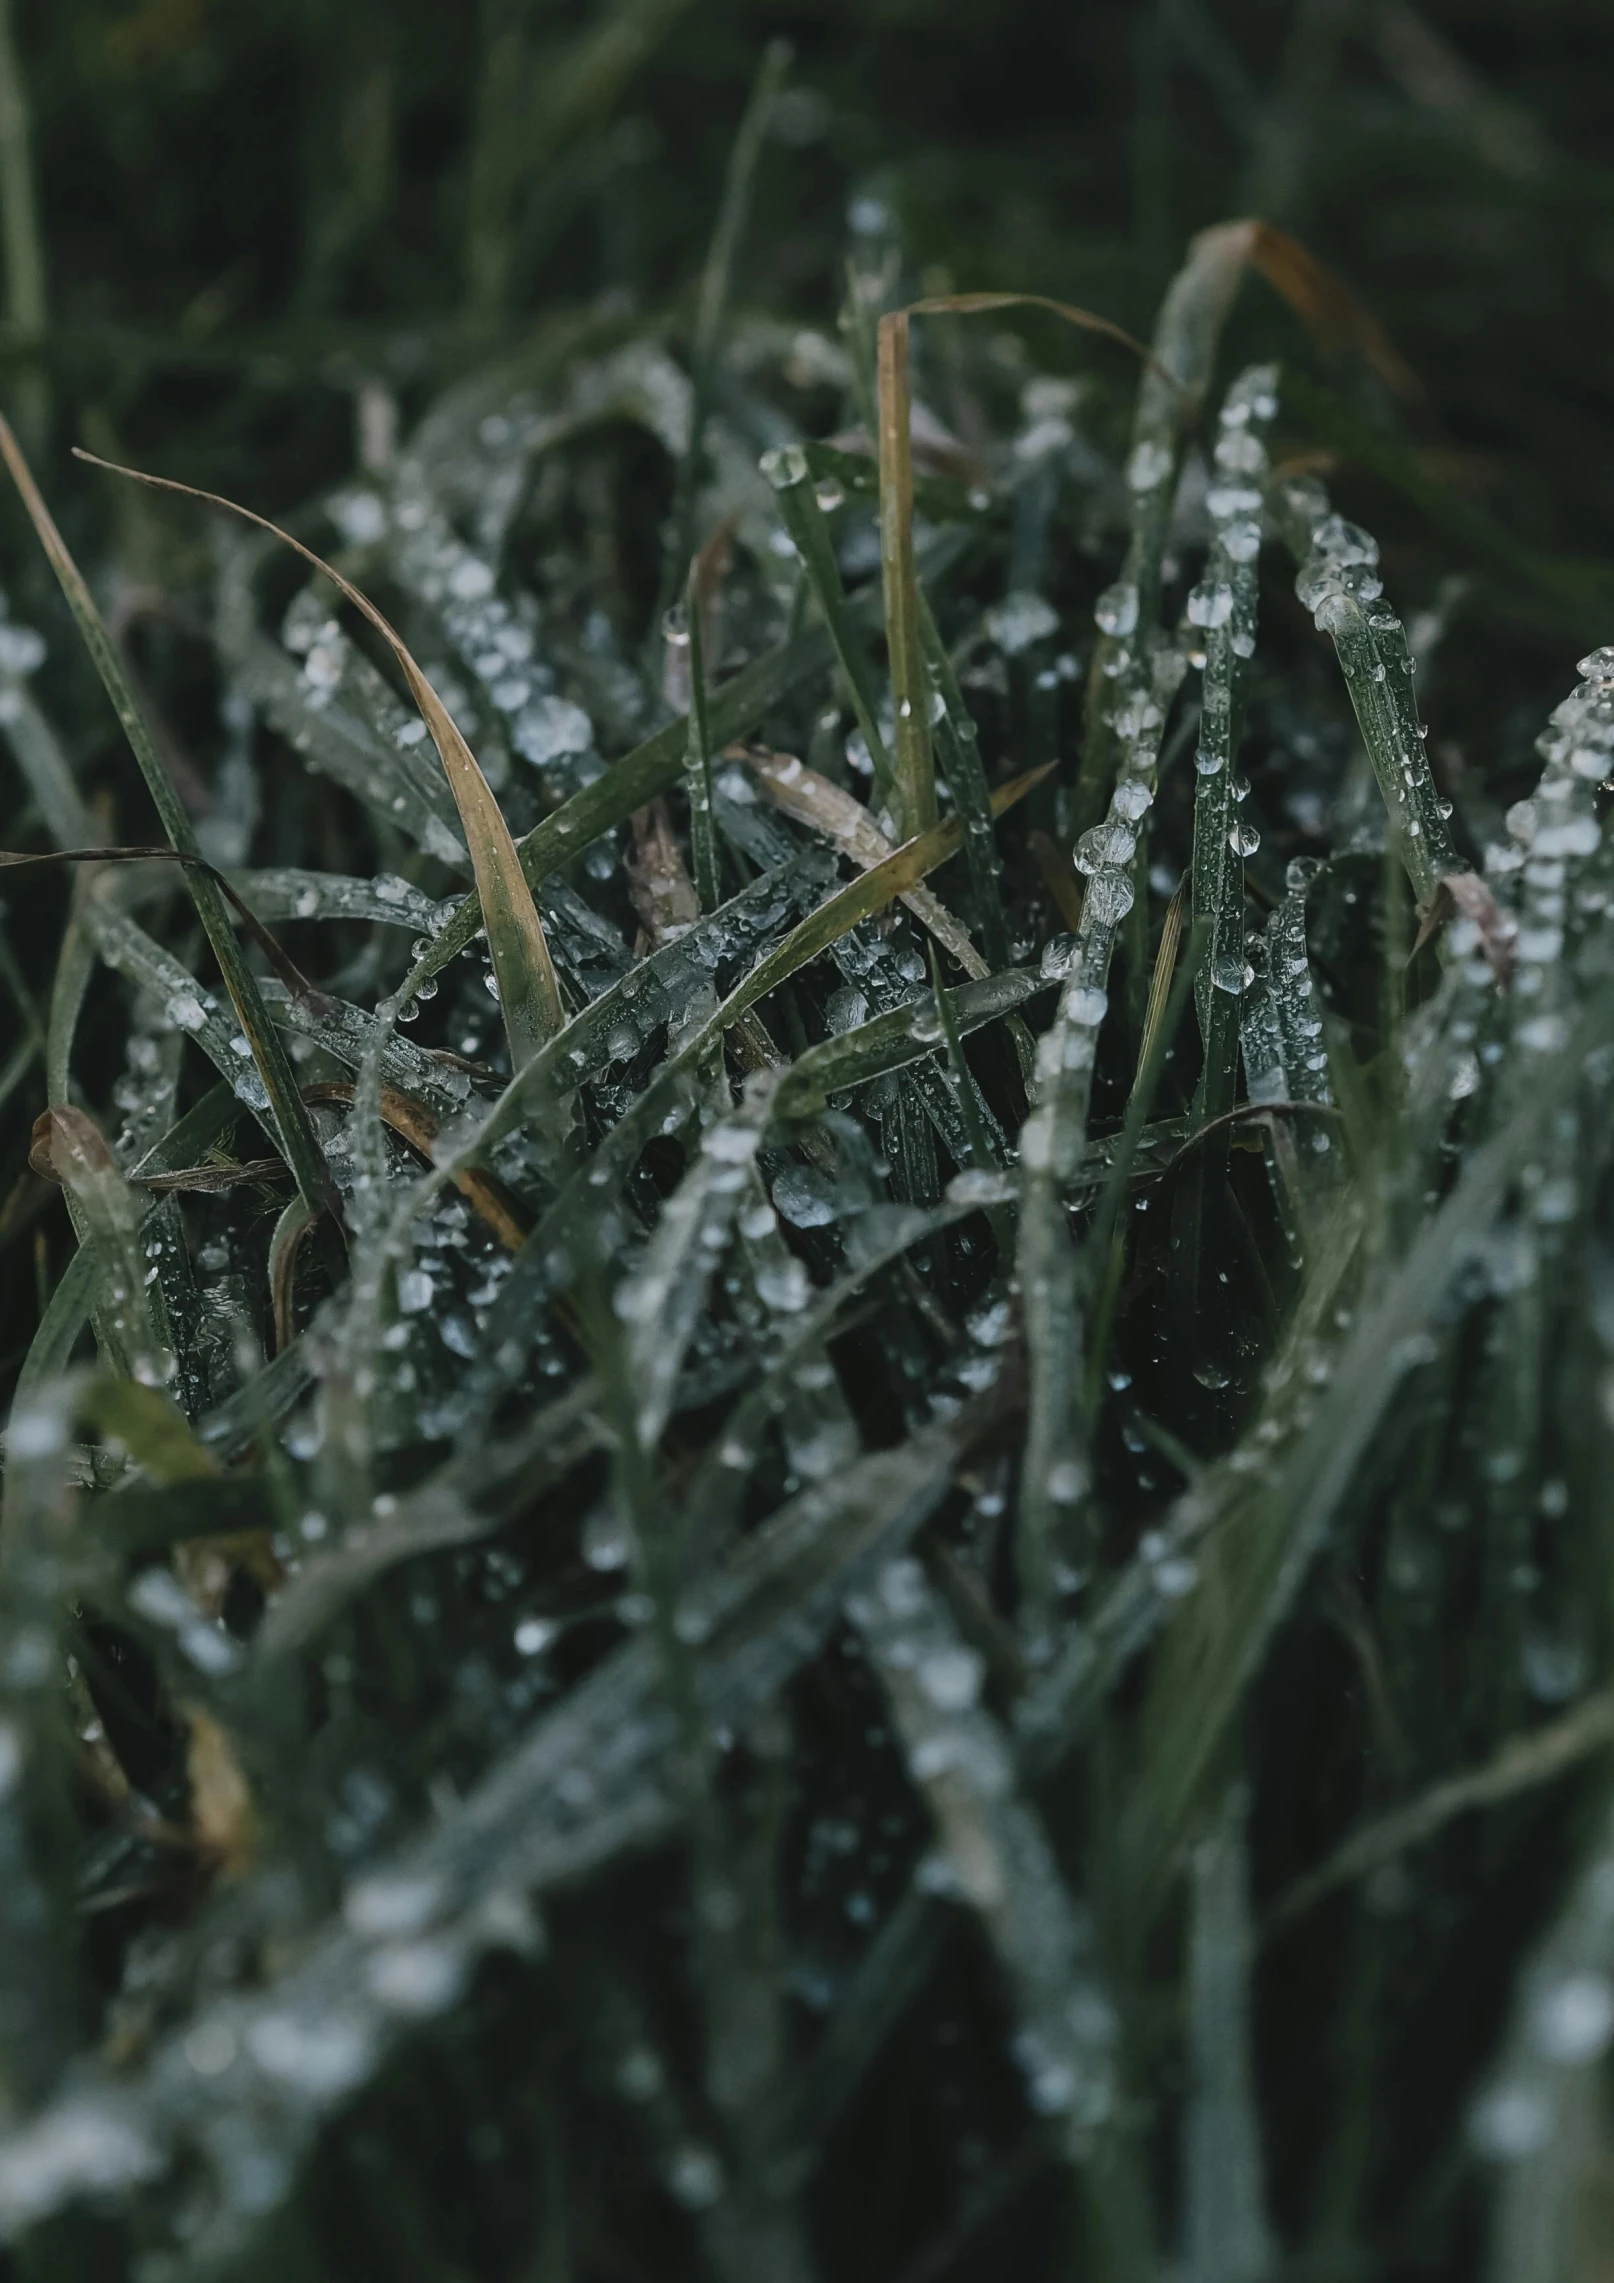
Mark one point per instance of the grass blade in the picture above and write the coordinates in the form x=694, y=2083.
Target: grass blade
x=1225, y=606
x=529, y=996
x=698, y=762
x=1227, y=2236
x=915, y=771
x=651, y=768
x=297, y=1137
x=790, y=474
x=716, y=281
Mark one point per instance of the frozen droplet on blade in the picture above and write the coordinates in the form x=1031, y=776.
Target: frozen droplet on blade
x=1116, y=610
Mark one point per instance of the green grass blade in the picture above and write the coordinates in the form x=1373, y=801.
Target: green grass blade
x=787, y=469
x=298, y=1139
x=1224, y=606
x=698, y=760
x=712, y=308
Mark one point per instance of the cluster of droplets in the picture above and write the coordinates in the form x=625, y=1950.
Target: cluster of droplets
x=146, y=1091
x=1104, y=853
x=496, y=639
x=1234, y=499
x=179, y=1001
x=1542, y=868
x=1260, y=1034
x=1221, y=614
x=405, y=777
x=1293, y=993
x=1221, y=609
x=1343, y=563
x=1339, y=584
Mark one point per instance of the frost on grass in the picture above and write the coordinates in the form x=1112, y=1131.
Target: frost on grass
x=789, y=1547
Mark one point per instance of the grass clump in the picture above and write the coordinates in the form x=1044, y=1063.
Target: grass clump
x=809, y=1475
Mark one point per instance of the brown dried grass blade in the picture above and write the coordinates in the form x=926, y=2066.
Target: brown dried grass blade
x=416, y=1126
x=1325, y=304
x=984, y=304
x=848, y=827
x=915, y=763
x=1160, y=982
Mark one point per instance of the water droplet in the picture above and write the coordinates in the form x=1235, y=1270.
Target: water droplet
x=1512, y=2122
x=1210, y=606
x=1231, y=972
x=186, y=1012
x=1109, y=898
x=1111, y=843
x=695, y=2178
x=1149, y=465
x=951, y=1678
x=1116, y=610
x=605, y=1540
x=549, y=727
x=415, y=1290
x=805, y=1196
x=1019, y=620
x=1573, y=2023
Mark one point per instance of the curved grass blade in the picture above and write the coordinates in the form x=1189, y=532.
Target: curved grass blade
x=1536, y=1757
x=278, y=957
x=297, y=1136
x=529, y=995
x=989, y=304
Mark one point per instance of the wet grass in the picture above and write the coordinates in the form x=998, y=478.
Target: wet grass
x=806, y=1233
